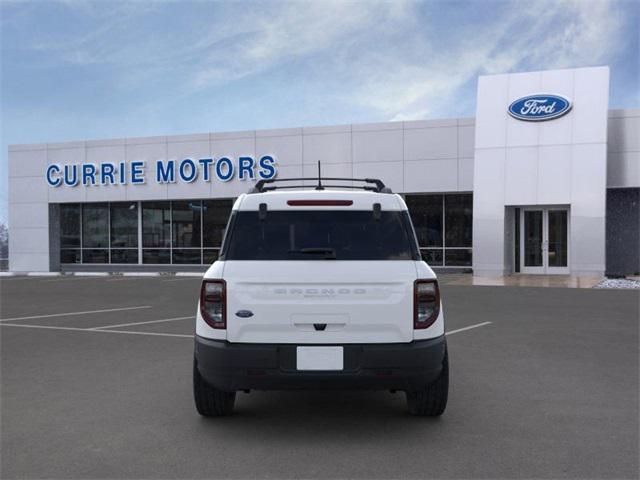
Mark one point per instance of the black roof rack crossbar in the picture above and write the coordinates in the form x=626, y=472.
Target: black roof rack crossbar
x=370, y=188
x=378, y=185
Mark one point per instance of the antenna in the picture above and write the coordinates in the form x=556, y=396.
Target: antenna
x=319, y=187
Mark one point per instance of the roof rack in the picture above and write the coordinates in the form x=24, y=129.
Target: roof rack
x=370, y=184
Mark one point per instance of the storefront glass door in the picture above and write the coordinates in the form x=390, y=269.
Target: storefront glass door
x=544, y=240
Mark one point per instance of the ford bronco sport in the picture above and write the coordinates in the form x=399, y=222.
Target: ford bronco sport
x=320, y=288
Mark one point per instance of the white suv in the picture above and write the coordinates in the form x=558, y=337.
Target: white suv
x=321, y=288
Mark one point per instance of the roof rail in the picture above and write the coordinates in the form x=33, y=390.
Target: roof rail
x=370, y=184
x=376, y=184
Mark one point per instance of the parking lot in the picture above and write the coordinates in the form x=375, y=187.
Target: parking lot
x=96, y=383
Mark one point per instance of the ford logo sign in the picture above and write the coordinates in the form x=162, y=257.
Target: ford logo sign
x=244, y=313
x=536, y=108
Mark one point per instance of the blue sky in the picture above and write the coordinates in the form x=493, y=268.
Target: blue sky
x=75, y=70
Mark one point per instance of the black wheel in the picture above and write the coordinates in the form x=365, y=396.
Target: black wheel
x=432, y=401
x=211, y=402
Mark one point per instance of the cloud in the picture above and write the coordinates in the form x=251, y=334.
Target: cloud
x=393, y=58
x=523, y=37
x=294, y=31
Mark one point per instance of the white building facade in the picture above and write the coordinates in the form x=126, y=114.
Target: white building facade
x=545, y=179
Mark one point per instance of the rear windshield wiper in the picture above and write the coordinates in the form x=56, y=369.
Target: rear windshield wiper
x=330, y=253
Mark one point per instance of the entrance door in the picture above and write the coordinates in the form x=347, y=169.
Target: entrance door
x=544, y=242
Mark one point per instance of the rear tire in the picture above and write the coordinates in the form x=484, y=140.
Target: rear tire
x=432, y=401
x=211, y=402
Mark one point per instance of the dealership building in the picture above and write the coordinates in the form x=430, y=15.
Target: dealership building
x=544, y=180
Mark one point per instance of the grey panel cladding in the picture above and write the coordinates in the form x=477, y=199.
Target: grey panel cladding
x=623, y=231
x=54, y=237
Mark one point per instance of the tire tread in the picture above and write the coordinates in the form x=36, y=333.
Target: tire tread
x=211, y=402
x=432, y=401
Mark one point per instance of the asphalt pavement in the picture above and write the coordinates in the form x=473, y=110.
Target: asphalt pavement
x=96, y=383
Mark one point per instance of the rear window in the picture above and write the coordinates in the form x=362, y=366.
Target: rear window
x=320, y=235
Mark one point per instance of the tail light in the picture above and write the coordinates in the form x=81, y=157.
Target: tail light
x=426, y=305
x=213, y=303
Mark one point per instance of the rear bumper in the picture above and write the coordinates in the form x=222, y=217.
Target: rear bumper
x=396, y=366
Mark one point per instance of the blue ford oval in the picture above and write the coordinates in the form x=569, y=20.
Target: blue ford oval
x=536, y=108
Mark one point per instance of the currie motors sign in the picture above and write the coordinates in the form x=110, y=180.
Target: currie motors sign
x=162, y=171
x=540, y=107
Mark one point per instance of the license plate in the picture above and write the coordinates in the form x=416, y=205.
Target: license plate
x=320, y=358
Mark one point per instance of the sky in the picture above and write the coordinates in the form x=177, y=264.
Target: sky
x=76, y=70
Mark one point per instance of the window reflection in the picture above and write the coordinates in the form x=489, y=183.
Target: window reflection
x=426, y=215
x=69, y=226
x=443, y=224
x=95, y=225
x=215, y=214
x=156, y=224
x=124, y=225
x=186, y=224
x=458, y=220
x=180, y=232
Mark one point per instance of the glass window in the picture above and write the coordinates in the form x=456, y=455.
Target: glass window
x=156, y=224
x=95, y=256
x=70, y=255
x=95, y=226
x=433, y=256
x=186, y=255
x=458, y=214
x=210, y=255
x=186, y=224
x=304, y=235
x=157, y=255
x=127, y=255
x=124, y=225
x=69, y=226
x=457, y=257
x=215, y=214
x=426, y=215
x=558, y=245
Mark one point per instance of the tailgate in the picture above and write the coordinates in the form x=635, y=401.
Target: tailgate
x=320, y=302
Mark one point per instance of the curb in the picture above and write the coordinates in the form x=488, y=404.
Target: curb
x=102, y=274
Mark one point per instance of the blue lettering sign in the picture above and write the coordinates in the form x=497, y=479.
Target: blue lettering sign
x=71, y=175
x=123, y=173
x=106, y=173
x=206, y=168
x=166, y=171
x=267, y=167
x=245, y=167
x=51, y=180
x=165, y=174
x=137, y=172
x=225, y=163
x=188, y=174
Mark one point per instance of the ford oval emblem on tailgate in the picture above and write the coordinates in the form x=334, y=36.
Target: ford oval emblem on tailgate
x=244, y=313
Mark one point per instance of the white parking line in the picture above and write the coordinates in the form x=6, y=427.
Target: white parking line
x=74, y=329
x=468, y=328
x=70, y=278
x=142, y=323
x=159, y=334
x=124, y=279
x=74, y=313
x=180, y=279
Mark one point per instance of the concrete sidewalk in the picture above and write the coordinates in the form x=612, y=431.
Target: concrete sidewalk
x=518, y=280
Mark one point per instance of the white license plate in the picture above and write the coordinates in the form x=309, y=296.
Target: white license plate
x=320, y=358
